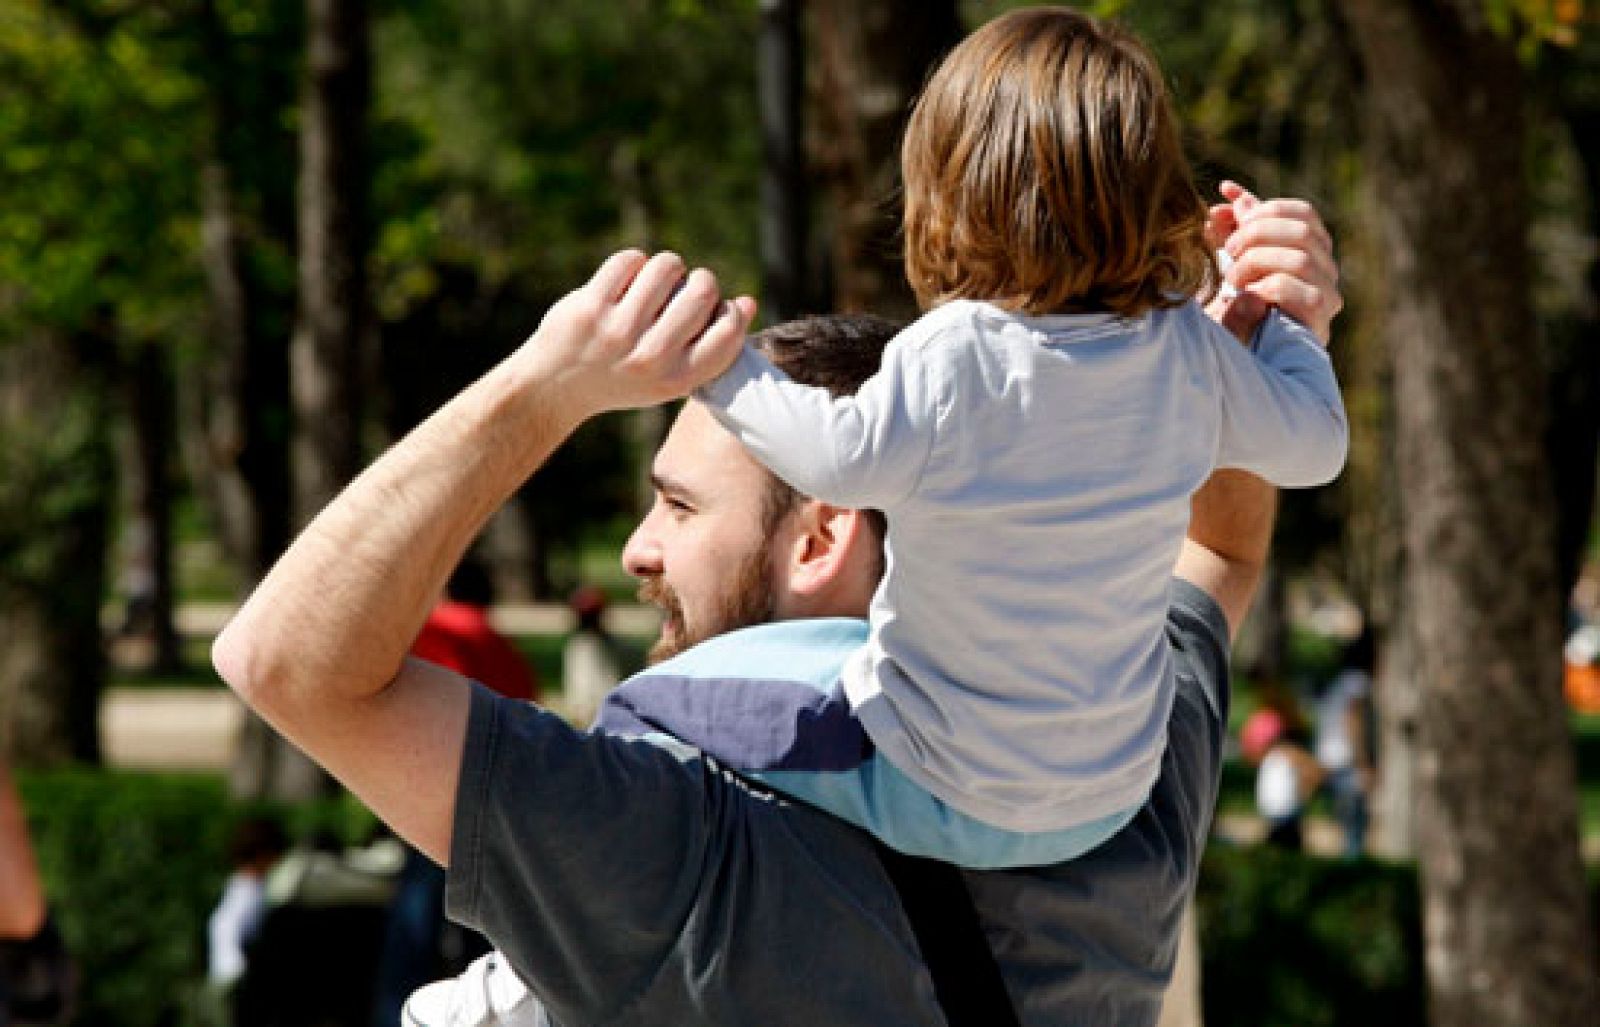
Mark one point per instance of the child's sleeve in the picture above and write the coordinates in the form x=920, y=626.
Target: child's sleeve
x=1282, y=415
x=866, y=450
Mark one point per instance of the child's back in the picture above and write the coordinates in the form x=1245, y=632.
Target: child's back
x=1036, y=438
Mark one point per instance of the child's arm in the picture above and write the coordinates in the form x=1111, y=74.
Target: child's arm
x=1282, y=415
x=866, y=450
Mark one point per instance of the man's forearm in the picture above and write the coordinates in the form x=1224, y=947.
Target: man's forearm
x=339, y=611
x=319, y=649
x=1232, y=515
x=1230, y=532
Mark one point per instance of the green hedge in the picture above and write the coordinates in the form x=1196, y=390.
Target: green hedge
x=134, y=864
x=1289, y=940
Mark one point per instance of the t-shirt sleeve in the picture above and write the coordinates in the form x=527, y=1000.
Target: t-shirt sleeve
x=1282, y=415
x=865, y=450
x=1198, y=632
x=577, y=855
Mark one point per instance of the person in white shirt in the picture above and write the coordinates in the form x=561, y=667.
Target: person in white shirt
x=1344, y=741
x=1034, y=440
x=255, y=847
x=591, y=660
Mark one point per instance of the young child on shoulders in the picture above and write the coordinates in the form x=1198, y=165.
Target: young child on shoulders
x=1034, y=440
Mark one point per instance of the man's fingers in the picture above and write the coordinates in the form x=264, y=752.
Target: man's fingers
x=1282, y=223
x=1258, y=262
x=718, y=346
x=648, y=294
x=689, y=310
x=614, y=276
x=1312, y=306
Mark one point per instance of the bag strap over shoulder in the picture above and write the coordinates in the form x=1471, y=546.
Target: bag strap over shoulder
x=966, y=977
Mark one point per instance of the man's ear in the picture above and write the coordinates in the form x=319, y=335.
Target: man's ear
x=829, y=559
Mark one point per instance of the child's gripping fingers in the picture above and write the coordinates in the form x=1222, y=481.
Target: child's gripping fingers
x=1243, y=201
x=1221, y=222
x=1240, y=313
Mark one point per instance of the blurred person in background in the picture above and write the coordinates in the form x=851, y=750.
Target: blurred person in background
x=1344, y=741
x=591, y=661
x=459, y=635
x=37, y=978
x=256, y=845
x=1273, y=740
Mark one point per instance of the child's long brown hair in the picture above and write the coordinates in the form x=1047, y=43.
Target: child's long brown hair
x=1044, y=172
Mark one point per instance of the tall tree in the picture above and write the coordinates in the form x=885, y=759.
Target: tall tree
x=872, y=61
x=94, y=267
x=325, y=353
x=1505, y=913
x=147, y=404
x=54, y=518
x=237, y=407
x=785, y=199
x=326, y=364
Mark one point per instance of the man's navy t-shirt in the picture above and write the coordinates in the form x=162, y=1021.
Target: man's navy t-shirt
x=633, y=881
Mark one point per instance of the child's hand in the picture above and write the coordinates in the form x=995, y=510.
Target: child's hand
x=639, y=333
x=1282, y=256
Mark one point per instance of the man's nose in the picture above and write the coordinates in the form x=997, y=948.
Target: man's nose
x=641, y=557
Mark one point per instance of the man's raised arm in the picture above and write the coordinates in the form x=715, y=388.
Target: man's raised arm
x=1283, y=256
x=319, y=650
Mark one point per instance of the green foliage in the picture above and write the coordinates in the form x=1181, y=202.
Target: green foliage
x=133, y=865
x=54, y=472
x=102, y=150
x=528, y=142
x=1293, y=941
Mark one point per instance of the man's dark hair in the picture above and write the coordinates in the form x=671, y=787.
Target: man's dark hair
x=836, y=352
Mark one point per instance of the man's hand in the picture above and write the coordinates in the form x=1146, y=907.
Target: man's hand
x=632, y=337
x=1282, y=256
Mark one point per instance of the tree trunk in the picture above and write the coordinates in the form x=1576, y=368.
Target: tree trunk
x=1505, y=908
x=1395, y=698
x=227, y=408
x=325, y=354
x=785, y=201
x=56, y=470
x=241, y=448
x=148, y=398
x=872, y=61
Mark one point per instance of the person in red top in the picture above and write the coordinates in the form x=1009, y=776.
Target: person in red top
x=458, y=635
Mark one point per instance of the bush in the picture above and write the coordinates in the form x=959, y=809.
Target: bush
x=134, y=864
x=1289, y=940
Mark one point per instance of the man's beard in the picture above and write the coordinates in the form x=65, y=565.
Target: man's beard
x=748, y=600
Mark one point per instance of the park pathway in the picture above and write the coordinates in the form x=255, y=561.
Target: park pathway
x=161, y=728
